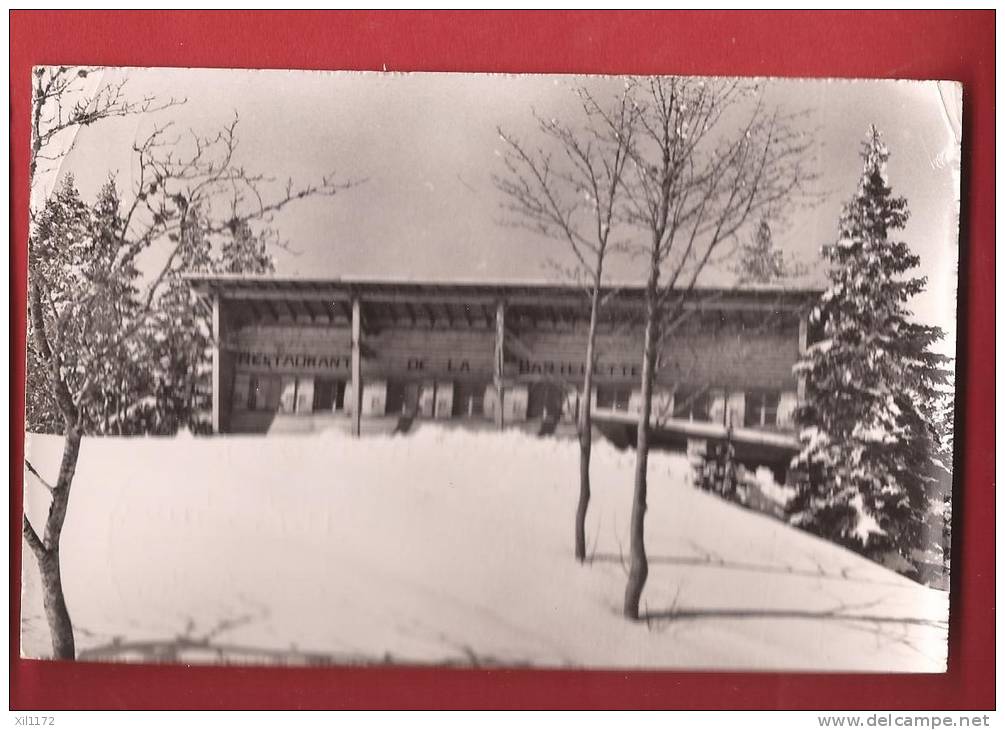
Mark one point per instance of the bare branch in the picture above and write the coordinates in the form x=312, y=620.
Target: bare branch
x=32, y=538
x=38, y=476
x=61, y=103
x=189, y=196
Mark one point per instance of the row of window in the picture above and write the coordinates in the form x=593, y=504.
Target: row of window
x=291, y=394
x=461, y=399
x=760, y=407
x=288, y=394
x=441, y=399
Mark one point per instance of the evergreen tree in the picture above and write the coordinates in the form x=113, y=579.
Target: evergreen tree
x=180, y=336
x=91, y=298
x=85, y=314
x=155, y=381
x=761, y=261
x=245, y=252
x=944, y=418
x=869, y=470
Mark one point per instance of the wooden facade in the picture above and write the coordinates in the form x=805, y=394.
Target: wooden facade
x=300, y=355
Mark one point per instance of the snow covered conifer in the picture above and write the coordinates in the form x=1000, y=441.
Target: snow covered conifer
x=868, y=472
x=91, y=297
x=180, y=337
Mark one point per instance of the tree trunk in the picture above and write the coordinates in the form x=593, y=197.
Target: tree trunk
x=586, y=427
x=46, y=551
x=58, y=618
x=638, y=569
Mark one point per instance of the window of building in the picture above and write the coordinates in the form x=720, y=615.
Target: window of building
x=691, y=404
x=287, y=394
x=469, y=399
x=760, y=408
x=329, y=395
x=263, y=393
x=395, y=401
x=409, y=398
x=544, y=400
x=305, y=395
x=296, y=394
x=614, y=397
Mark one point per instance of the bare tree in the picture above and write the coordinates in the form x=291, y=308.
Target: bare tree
x=61, y=105
x=709, y=156
x=187, y=190
x=568, y=189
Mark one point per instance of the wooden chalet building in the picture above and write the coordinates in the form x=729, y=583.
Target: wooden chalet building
x=369, y=355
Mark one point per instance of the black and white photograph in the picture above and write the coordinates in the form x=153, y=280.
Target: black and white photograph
x=490, y=371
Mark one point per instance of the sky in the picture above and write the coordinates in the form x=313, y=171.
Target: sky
x=427, y=146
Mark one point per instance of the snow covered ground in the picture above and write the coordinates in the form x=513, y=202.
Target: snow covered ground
x=446, y=547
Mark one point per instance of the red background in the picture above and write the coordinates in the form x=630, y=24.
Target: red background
x=917, y=45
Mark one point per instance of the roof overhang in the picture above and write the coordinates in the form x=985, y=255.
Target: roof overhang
x=513, y=293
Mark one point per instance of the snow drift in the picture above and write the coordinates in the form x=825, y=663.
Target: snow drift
x=446, y=547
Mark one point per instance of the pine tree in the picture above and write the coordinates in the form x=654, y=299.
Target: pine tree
x=81, y=320
x=944, y=416
x=155, y=380
x=869, y=472
x=246, y=252
x=760, y=261
x=180, y=335
x=91, y=298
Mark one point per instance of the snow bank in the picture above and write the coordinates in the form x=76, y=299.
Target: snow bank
x=446, y=546
x=778, y=494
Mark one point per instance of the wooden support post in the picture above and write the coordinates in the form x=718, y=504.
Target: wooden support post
x=357, y=380
x=499, y=360
x=217, y=379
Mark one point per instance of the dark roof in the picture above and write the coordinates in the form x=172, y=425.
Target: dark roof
x=523, y=292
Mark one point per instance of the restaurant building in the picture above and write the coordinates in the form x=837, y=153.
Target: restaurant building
x=371, y=355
